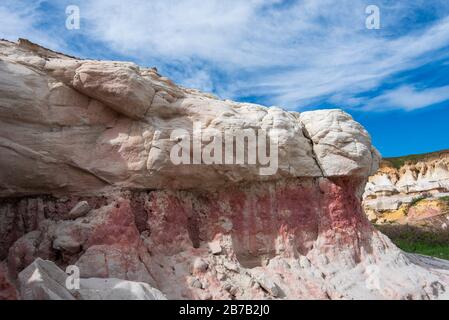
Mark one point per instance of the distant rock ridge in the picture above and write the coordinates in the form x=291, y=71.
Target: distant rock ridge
x=87, y=180
x=417, y=184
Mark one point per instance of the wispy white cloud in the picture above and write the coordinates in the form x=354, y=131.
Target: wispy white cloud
x=408, y=98
x=19, y=19
x=291, y=53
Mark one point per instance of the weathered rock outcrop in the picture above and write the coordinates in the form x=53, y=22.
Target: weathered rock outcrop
x=89, y=126
x=410, y=190
x=43, y=280
x=87, y=179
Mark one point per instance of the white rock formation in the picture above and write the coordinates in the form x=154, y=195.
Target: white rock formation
x=108, y=124
x=43, y=280
x=391, y=188
x=75, y=130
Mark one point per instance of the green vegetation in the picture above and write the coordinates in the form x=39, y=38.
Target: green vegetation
x=416, y=200
x=398, y=162
x=416, y=240
x=445, y=199
x=439, y=251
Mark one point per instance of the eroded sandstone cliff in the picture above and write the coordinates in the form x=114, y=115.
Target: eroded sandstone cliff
x=410, y=190
x=86, y=179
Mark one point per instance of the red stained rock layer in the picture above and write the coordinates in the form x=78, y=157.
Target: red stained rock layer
x=130, y=234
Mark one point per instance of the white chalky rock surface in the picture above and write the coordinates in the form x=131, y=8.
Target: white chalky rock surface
x=75, y=130
x=43, y=280
x=94, y=125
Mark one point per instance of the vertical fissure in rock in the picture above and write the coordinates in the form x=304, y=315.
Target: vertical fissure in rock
x=150, y=104
x=314, y=156
x=139, y=211
x=193, y=227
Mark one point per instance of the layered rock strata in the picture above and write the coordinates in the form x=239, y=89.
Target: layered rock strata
x=412, y=192
x=86, y=179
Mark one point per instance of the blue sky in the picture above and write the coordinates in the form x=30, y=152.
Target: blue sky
x=299, y=55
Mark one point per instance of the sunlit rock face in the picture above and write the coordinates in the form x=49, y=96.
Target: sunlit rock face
x=411, y=192
x=91, y=126
x=87, y=179
x=43, y=280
